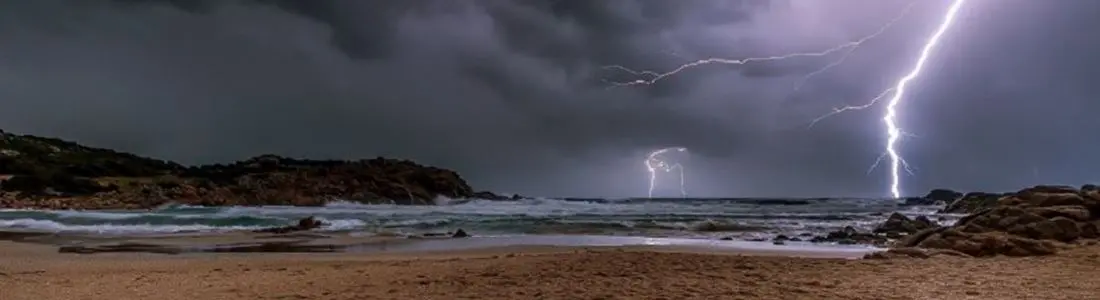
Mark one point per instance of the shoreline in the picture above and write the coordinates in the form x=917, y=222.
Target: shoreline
x=352, y=243
x=30, y=272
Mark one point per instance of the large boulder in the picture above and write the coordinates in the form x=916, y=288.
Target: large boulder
x=945, y=195
x=1034, y=221
x=899, y=224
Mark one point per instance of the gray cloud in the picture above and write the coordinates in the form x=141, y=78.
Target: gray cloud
x=510, y=93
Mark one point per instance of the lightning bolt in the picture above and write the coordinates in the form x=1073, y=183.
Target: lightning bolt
x=655, y=161
x=894, y=133
x=847, y=48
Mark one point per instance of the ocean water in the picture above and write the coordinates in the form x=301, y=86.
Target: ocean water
x=681, y=218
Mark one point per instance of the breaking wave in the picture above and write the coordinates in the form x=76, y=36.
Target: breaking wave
x=530, y=216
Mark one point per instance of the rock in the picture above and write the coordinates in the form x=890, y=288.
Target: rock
x=308, y=223
x=945, y=195
x=972, y=202
x=487, y=195
x=850, y=236
x=460, y=234
x=1034, y=221
x=900, y=224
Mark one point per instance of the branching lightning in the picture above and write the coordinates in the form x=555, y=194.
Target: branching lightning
x=656, y=161
x=893, y=132
x=847, y=49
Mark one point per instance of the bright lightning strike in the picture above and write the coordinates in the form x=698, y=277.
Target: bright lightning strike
x=657, y=161
x=893, y=132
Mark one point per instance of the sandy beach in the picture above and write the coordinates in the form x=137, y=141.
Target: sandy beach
x=36, y=271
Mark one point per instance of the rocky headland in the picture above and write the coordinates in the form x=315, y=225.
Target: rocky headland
x=1040, y=220
x=49, y=173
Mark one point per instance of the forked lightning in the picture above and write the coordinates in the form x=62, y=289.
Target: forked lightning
x=657, y=161
x=896, y=92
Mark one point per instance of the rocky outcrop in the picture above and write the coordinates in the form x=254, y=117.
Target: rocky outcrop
x=898, y=225
x=38, y=172
x=1034, y=221
x=945, y=195
x=851, y=236
x=972, y=202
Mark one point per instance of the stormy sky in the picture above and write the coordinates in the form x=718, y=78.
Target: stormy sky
x=512, y=93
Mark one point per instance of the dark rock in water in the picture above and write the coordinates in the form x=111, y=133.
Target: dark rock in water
x=720, y=226
x=781, y=238
x=442, y=235
x=460, y=234
x=934, y=197
x=945, y=195
x=898, y=224
x=972, y=202
x=308, y=223
x=850, y=236
x=487, y=195
x=920, y=201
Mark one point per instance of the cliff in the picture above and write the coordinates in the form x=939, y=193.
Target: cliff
x=38, y=172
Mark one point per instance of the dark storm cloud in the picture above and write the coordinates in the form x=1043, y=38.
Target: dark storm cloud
x=510, y=93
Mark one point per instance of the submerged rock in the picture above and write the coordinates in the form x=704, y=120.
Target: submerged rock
x=308, y=223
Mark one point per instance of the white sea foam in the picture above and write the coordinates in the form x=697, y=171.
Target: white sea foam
x=51, y=226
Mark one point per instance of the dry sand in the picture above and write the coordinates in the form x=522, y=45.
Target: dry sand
x=37, y=272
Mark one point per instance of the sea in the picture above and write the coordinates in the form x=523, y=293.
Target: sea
x=691, y=218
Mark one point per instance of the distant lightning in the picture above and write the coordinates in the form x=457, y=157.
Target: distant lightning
x=897, y=92
x=656, y=161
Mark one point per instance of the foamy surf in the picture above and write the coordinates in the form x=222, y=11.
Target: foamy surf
x=659, y=217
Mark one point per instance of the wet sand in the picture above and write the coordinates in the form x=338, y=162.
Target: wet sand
x=37, y=271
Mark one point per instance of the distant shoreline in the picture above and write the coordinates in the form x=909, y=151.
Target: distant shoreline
x=50, y=173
